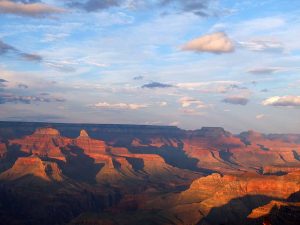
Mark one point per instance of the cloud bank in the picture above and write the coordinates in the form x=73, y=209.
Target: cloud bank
x=130, y=106
x=28, y=8
x=198, y=7
x=11, y=98
x=282, y=101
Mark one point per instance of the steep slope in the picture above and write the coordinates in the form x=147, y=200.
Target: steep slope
x=31, y=168
x=123, y=166
x=228, y=199
x=277, y=212
x=221, y=151
x=91, y=147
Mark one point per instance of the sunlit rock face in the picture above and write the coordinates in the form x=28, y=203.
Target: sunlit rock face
x=221, y=151
x=127, y=174
x=33, y=167
x=228, y=199
x=44, y=142
x=91, y=147
x=46, y=132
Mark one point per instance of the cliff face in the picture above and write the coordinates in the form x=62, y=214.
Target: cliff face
x=221, y=151
x=228, y=199
x=32, y=167
x=90, y=146
x=145, y=173
x=44, y=142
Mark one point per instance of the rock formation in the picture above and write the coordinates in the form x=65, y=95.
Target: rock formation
x=228, y=199
x=32, y=167
x=91, y=147
x=44, y=142
x=127, y=174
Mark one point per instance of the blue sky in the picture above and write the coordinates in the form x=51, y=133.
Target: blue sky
x=188, y=63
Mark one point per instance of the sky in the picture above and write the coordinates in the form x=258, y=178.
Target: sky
x=185, y=63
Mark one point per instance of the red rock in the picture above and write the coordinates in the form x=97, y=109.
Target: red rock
x=32, y=166
x=3, y=150
x=44, y=142
x=91, y=147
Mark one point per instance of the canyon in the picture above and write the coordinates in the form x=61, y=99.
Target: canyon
x=54, y=173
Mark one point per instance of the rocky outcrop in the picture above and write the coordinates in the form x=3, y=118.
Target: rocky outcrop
x=221, y=151
x=44, y=142
x=32, y=167
x=277, y=213
x=279, y=170
x=91, y=147
x=122, y=166
x=228, y=199
x=156, y=142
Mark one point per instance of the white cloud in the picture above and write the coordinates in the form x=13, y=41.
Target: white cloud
x=163, y=103
x=262, y=45
x=215, y=43
x=188, y=101
x=130, y=106
x=210, y=86
x=282, y=101
x=260, y=116
x=51, y=37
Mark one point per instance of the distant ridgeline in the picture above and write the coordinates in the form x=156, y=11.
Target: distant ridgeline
x=18, y=129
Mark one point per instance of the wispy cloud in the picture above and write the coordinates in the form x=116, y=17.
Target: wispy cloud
x=12, y=98
x=9, y=49
x=265, y=70
x=156, y=85
x=138, y=78
x=93, y=5
x=282, y=101
x=236, y=100
x=162, y=104
x=214, y=43
x=2, y=83
x=212, y=86
x=260, y=116
x=28, y=8
x=263, y=46
x=22, y=86
x=202, y=8
x=189, y=101
x=118, y=106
